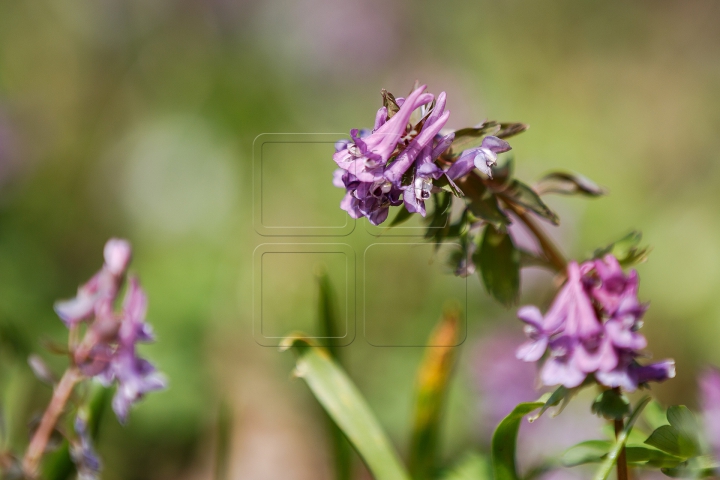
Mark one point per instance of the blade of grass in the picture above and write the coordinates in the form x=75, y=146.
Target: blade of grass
x=342, y=451
x=343, y=402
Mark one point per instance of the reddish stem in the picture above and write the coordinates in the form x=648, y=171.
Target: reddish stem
x=39, y=441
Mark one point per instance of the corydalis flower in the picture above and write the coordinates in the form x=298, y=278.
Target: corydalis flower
x=373, y=164
x=108, y=350
x=591, y=328
x=483, y=158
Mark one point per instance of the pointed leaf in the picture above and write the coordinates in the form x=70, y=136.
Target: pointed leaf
x=521, y=194
x=327, y=311
x=499, y=263
x=431, y=389
x=346, y=406
x=504, y=442
x=508, y=130
x=467, y=138
x=626, y=250
x=568, y=184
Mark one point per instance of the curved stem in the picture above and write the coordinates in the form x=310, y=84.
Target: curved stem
x=39, y=441
x=548, y=247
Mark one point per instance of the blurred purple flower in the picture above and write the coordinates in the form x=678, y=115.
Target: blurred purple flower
x=577, y=337
x=101, y=289
x=83, y=453
x=135, y=376
x=108, y=350
x=710, y=404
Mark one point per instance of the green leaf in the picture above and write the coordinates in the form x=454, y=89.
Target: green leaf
x=467, y=138
x=346, y=406
x=499, y=263
x=611, y=405
x=654, y=415
x=680, y=438
x=402, y=216
x=604, y=471
x=591, y=451
x=431, y=389
x=568, y=184
x=626, y=250
x=327, y=313
x=683, y=420
x=473, y=466
x=704, y=466
x=665, y=438
x=511, y=129
x=521, y=194
x=504, y=442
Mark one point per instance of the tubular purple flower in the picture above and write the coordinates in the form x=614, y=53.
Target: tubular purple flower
x=101, y=288
x=362, y=157
x=591, y=328
x=482, y=157
x=443, y=145
x=398, y=168
x=108, y=350
x=572, y=310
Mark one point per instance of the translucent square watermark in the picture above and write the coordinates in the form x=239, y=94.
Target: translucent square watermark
x=286, y=285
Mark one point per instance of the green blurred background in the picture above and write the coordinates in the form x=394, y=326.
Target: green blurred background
x=136, y=119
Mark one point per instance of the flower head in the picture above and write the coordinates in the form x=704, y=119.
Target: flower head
x=373, y=166
x=108, y=351
x=591, y=328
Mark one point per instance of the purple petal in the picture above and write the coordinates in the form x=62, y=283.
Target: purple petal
x=404, y=160
x=462, y=166
x=380, y=118
x=117, y=254
x=495, y=144
x=558, y=372
x=655, y=372
x=443, y=145
x=532, y=350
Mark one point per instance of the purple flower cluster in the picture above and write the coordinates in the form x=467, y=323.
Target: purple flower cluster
x=108, y=350
x=591, y=328
x=395, y=162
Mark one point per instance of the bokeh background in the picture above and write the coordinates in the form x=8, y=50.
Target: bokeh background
x=136, y=119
